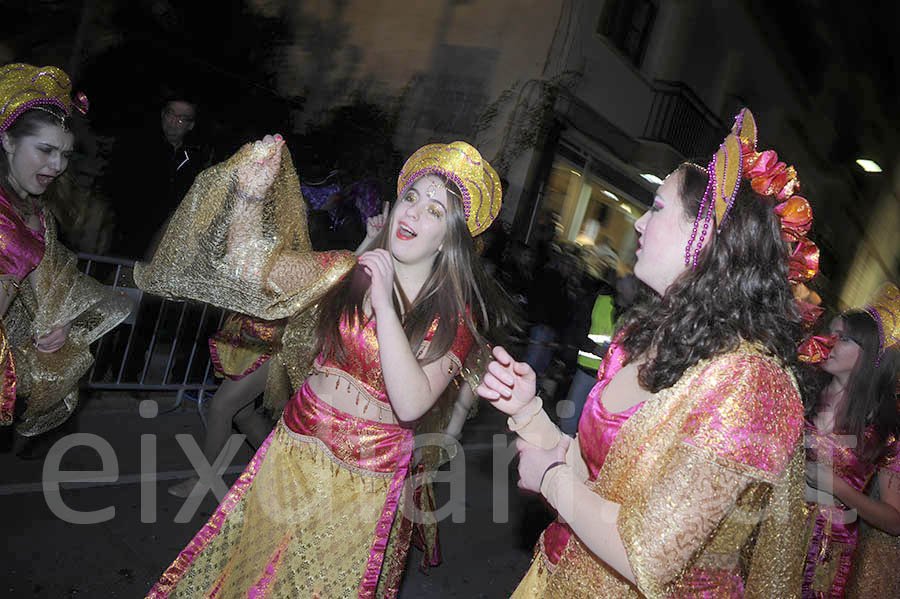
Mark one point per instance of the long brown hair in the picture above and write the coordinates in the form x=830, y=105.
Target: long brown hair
x=457, y=288
x=739, y=291
x=871, y=390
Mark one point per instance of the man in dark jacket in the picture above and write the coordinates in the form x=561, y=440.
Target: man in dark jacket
x=150, y=173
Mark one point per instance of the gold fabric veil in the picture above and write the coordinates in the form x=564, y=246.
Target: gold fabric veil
x=193, y=260
x=62, y=294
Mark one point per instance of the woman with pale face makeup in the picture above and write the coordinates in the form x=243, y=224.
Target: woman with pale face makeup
x=853, y=441
x=685, y=477
x=41, y=293
x=324, y=509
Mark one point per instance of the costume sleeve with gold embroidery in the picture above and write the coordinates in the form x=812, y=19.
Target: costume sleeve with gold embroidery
x=250, y=257
x=739, y=439
x=60, y=294
x=7, y=380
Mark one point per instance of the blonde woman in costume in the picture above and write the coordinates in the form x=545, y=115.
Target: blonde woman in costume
x=50, y=312
x=317, y=511
x=686, y=476
x=852, y=435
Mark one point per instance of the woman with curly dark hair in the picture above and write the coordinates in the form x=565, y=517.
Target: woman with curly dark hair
x=686, y=476
x=852, y=432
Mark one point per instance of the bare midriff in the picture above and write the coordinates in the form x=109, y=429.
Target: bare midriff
x=342, y=391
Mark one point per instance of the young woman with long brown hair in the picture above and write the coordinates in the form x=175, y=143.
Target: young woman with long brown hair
x=317, y=511
x=50, y=311
x=853, y=434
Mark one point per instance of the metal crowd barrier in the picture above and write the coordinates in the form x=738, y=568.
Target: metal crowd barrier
x=161, y=346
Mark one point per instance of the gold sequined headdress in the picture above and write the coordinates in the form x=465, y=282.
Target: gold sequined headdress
x=737, y=159
x=461, y=163
x=884, y=308
x=23, y=87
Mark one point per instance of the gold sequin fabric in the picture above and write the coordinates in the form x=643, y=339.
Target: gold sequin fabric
x=201, y=258
x=876, y=568
x=709, y=476
x=303, y=528
x=49, y=381
x=24, y=86
x=462, y=163
x=7, y=380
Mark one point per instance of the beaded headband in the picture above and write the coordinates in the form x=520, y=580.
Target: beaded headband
x=461, y=163
x=737, y=159
x=24, y=87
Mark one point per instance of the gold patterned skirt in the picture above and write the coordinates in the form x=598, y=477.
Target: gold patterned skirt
x=243, y=344
x=313, y=515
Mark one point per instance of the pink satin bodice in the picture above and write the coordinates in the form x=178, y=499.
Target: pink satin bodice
x=363, y=361
x=597, y=430
x=21, y=248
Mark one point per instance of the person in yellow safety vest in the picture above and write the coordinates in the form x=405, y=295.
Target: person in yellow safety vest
x=589, y=358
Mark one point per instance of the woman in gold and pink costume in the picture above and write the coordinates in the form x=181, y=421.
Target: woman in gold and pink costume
x=852, y=435
x=686, y=475
x=317, y=512
x=50, y=312
x=243, y=351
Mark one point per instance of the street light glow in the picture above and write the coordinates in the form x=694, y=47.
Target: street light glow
x=652, y=178
x=870, y=166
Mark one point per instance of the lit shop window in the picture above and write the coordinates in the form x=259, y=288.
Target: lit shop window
x=587, y=213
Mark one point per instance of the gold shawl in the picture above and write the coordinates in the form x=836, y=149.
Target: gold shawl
x=61, y=294
x=680, y=469
x=193, y=260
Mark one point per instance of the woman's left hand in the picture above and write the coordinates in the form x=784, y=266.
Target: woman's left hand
x=375, y=223
x=380, y=266
x=53, y=340
x=534, y=461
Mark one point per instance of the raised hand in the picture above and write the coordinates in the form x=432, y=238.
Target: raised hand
x=259, y=163
x=375, y=223
x=380, y=266
x=508, y=384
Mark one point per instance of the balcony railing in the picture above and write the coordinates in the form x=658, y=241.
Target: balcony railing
x=680, y=119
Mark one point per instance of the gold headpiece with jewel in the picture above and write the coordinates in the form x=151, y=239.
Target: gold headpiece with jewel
x=23, y=87
x=884, y=308
x=461, y=163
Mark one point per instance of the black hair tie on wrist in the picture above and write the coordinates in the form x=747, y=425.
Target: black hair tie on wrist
x=549, y=468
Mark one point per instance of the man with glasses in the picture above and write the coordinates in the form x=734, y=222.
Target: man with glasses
x=150, y=172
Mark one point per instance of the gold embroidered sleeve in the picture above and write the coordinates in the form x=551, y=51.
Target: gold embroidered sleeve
x=680, y=515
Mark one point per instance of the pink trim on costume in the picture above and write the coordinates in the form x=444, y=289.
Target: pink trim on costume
x=261, y=589
x=369, y=582
x=173, y=574
x=8, y=390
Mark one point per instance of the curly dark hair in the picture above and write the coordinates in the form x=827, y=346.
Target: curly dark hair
x=738, y=291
